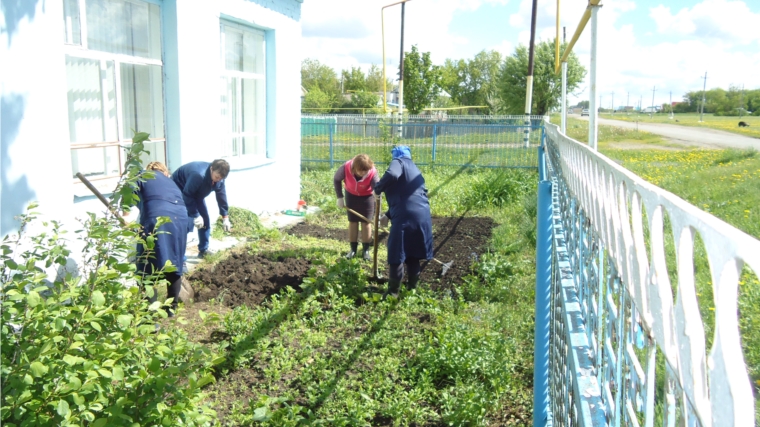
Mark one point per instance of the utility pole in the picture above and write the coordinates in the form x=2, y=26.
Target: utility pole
x=613, y=103
x=401, y=78
x=671, y=104
x=704, y=88
x=529, y=88
x=741, y=103
x=627, y=101
x=653, y=90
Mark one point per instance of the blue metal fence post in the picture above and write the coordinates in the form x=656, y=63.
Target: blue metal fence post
x=332, y=154
x=543, y=297
x=434, y=141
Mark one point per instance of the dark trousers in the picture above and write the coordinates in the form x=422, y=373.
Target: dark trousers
x=412, y=269
x=172, y=291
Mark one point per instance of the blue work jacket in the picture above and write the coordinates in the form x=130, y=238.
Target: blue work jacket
x=194, y=180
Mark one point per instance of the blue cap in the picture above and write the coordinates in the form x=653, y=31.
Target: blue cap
x=401, y=151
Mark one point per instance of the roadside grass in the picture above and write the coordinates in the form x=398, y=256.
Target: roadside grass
x=335, y=354
x=614, y=137
x=709, y=121
x=723, y=183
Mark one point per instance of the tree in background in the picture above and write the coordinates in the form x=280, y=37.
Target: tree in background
x=317, y=102
x=375, y=79
x=547, y=85
x=362, y=101
x=422, y=80
x=354, y=80
x=453, y=75
x=317, y=75
x=582, y=104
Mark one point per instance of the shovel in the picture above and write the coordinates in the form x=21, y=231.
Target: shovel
x=377, y=244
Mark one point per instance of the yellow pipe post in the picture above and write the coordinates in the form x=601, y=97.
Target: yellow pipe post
x=382, y=34
x=556, y=41
x=578, y=31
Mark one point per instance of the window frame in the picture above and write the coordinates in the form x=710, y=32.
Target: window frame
x=232, y=140
x=82, y=51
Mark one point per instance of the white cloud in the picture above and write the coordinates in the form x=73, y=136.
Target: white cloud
x=629, y=65
x=712, y=20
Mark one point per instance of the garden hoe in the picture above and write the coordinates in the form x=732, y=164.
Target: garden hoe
x=446, y=266
x=186, y=292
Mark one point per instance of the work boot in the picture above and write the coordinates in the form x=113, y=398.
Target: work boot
x=365, y=253
x=352, y=253
x=393, y=288
x=413, y=281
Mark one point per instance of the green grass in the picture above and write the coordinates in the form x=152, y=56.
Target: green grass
x=723, y=183
x=709, y=121
x=335, y=354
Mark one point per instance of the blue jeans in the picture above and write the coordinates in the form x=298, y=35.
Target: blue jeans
x=204, y=235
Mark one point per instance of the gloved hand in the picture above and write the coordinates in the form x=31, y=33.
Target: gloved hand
x=384, y=221
x=340, y=203
x=226, y=224
x=198, y=222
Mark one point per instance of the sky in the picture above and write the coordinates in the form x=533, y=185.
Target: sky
x=646, y=48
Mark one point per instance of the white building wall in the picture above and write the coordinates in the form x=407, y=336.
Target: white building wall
x=35, y=159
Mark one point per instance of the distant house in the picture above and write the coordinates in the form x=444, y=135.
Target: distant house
x=207, y=80
x=655, y=109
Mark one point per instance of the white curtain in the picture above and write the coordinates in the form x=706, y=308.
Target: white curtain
x=123, y=27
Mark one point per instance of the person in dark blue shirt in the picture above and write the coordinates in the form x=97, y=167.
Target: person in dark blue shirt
x=197, y=180
x=411, y=236
x=160, y=197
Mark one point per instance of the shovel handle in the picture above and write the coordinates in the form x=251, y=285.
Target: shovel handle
x=100, y=196
x=358, y=214
x=377, y=219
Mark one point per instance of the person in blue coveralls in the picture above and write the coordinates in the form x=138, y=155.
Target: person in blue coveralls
x=160, y=197
x=197, y=180
x=411, y=235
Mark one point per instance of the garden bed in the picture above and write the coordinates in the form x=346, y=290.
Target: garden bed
x=244, y=278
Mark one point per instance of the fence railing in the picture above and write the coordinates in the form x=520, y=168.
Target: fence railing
x=327, y=141
x=625, y=340
x=440, y=117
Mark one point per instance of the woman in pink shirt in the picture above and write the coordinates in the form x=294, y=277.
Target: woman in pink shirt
x=359, y=177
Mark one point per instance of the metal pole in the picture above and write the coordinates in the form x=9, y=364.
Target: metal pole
x=382, y=32
x=541, y=348
x=704, y=88
x=401, y=78
x=654, y=110
x=529, y=88
x=564, y=85
x=593, y=113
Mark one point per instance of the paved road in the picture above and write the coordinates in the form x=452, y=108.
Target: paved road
x=707, y=138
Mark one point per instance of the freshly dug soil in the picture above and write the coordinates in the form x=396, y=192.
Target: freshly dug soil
x=250, y=279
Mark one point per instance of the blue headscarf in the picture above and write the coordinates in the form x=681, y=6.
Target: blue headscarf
x=401, y=151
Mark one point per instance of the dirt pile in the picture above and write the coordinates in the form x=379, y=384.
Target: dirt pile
x=250, y=279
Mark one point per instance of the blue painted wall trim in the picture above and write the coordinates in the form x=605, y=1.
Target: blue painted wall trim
x=171, y=84
x=289, y=8
x=544, y=236
x=271, y=75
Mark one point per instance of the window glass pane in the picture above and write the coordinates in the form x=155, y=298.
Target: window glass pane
x=254, y=145
x=155, y=152
x=91, y=100
x=254, y=105
x=123, y=27
x=96, y=162
x=253, y=52
x=72, y=33
x=233, y=49
x=243, y=50
x=142, y=100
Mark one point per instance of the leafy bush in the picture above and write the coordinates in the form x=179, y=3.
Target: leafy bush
x=244, y=224
x=84, y=349
x=498, y=189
